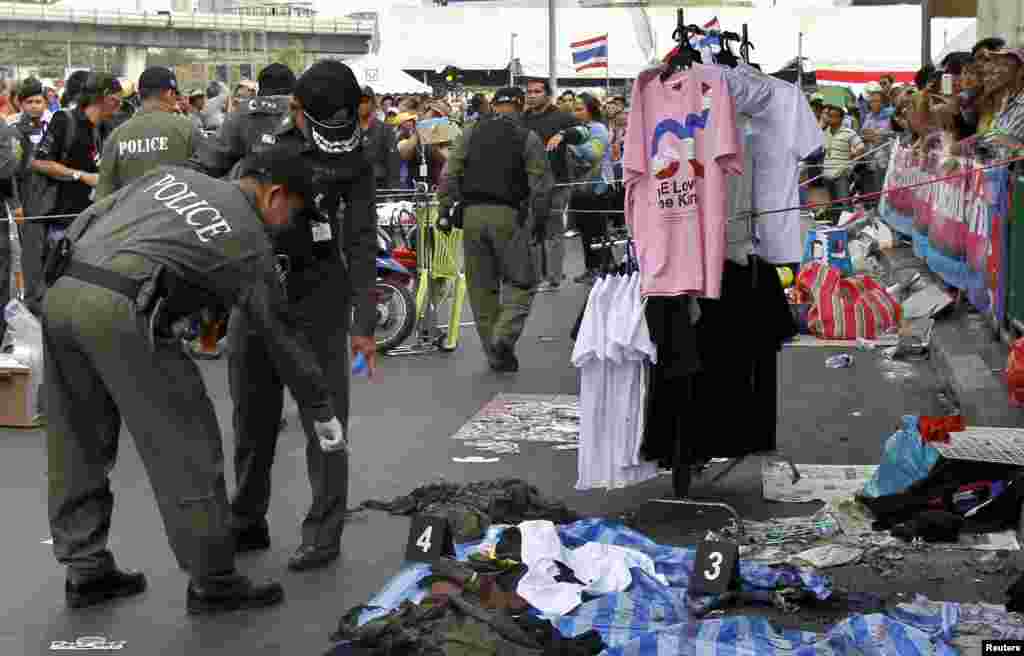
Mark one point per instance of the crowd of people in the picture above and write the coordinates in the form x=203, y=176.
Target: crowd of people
x=970, y=105
x=592, y=174
x=320, y=151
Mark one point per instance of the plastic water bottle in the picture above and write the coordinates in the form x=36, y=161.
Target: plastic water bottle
x=841, y=361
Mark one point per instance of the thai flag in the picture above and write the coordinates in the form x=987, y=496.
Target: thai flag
x=590, y=53
x=700, y=41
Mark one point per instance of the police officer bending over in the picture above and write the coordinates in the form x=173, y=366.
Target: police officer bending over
x=156, y=136
x=500, y=182
x=131, y=270
x=252, y=127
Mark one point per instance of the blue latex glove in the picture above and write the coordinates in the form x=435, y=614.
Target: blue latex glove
x=359, y=365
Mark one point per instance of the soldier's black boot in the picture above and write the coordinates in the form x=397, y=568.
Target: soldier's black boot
x=228, y=592
x=503, y=358
x=251, y=538
x=113, y=585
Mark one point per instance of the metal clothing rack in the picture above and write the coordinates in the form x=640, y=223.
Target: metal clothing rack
x=683, y=473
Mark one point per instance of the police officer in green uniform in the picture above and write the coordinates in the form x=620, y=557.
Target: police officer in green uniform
x=499, y=180
x=252, y=127
x=154, y=137
x=330, y=268
x=245, y=131
x=130, y=271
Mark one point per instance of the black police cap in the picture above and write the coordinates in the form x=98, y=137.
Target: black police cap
x=276, y=80
x=282, y=164
x=509, y=95
x=101, y=84
x=157, y=78
x=29, y=88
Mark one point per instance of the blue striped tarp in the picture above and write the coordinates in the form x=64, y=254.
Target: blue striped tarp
x=651, y=619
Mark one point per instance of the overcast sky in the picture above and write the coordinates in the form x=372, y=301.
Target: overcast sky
x=879, y=35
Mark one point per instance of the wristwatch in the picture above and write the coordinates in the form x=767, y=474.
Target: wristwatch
x=76, y=176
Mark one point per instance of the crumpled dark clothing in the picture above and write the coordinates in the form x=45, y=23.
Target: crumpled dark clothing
x=554, y=644
x=937, y=490
x=1016, y=595
x=931, y=526
x=473, y=507
x=456, y=625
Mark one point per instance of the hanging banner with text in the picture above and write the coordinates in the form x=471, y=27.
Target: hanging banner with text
x=957, y=225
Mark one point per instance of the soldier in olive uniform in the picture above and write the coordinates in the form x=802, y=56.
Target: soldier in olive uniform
x=499, y=173
x=130, y=272
x=154, y=137
x=252, y=127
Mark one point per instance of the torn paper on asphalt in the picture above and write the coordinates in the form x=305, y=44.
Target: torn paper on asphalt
x=827, y=555
x=542, y=418
x=1002, y=541
x=817, y=482
x=926, y=303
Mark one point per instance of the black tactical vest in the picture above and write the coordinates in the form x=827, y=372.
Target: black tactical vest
x=495, y=168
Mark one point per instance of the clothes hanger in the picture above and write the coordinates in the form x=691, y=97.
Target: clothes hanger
x=631, y=264
x=745, y=47
x=685, y=54
x=726, y=57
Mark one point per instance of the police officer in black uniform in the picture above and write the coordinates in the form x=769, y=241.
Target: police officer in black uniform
x=330, y=258
x=252, y=127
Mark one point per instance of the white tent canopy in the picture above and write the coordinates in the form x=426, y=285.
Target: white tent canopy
x=884, y=39
x=384, y=76
x=479, y=37
x=962, y=42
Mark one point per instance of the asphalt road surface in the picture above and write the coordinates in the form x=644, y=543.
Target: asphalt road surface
x=401, y=429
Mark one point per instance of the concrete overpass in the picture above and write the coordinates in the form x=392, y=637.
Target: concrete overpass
x=136, y=31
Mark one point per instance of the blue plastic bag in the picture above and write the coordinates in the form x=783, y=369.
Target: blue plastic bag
x=906, y=460
x=829, y=246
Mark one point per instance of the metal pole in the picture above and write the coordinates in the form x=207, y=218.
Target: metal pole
x=800, y=61
x=69, y=54
x=926, y=33
x=552, y=48
x=608, y=76
x=512, y=62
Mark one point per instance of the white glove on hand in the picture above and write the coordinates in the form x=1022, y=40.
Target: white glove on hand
x=331, y=435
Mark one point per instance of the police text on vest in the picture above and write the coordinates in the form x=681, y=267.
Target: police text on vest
x=142, y=146
x=177, y=197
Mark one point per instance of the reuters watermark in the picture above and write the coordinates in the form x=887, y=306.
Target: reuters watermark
x=88, y=643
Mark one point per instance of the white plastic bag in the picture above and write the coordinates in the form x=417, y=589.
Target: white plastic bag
x=25, y=336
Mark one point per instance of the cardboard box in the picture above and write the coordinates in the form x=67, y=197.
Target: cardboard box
x=16, y=397
x=435, y=131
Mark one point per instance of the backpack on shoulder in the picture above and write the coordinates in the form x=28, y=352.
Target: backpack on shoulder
x=39, y=194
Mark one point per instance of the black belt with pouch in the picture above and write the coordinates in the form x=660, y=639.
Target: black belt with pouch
x=162, y=297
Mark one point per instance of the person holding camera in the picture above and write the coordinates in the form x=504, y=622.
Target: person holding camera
x=593, y=164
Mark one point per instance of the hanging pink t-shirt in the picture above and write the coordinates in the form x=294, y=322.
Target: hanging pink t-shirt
x=681, y=143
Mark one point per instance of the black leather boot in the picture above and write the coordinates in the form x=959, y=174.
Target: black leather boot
x=251, y=538
x=228, y=592
x=309, y=556
x=112, y=585
x=504, y=358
